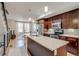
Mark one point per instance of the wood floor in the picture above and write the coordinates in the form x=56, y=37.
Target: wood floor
x=18, y=47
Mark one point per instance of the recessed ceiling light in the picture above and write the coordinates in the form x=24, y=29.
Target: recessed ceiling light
x=46, y=8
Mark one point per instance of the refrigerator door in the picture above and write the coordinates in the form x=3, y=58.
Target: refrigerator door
x=40, y=29
x=34, y=29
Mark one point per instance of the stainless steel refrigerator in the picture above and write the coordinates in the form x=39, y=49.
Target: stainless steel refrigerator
x=36, y=29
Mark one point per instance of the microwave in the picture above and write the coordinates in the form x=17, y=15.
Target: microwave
x=57, y=28
x=56, y=25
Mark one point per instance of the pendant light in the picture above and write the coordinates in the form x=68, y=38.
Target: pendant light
x=45, y=8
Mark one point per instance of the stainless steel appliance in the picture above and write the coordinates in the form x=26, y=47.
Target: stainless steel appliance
x=57, y=28
x=36, y=29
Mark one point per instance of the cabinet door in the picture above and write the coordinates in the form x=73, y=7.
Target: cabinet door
x=46, y=24
x=65, y=21
x=49, y=23
x=78, y=18
x=70, y=20
x=74, y=19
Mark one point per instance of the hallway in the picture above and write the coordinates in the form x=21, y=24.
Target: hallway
x=17, y=47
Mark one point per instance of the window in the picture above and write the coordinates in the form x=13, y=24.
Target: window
x=20, y=27
x=27, y=27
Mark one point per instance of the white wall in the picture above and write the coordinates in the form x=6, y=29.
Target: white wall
x=12, y=24
x=2, y=25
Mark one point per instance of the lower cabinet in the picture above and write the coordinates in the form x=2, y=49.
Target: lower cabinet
x=73, y=46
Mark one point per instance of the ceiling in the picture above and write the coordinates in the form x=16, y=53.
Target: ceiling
x=21, y=11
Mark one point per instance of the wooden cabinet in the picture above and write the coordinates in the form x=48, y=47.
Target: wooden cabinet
x=74, y=19
x=56, y=18
x=73, y=45
x=47, y=23
x=70, y=19
x=78, y=18
x=64, y=21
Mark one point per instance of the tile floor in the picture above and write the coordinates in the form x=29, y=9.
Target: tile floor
x=18, y=47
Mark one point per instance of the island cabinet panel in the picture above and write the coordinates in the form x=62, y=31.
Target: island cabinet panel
x=44, y=46
x=36, y=49
x=62, y=51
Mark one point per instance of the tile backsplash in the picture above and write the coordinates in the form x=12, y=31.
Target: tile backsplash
x=71, y=31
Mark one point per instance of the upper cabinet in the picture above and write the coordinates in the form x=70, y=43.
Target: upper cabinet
x=78, y=18
x=48, y=23
x=70, y=19
x=65, y=20
x=74, y=19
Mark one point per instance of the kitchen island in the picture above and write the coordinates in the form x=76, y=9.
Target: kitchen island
x=46, y=46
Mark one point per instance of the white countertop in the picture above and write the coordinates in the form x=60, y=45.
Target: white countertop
x=74, y=36
x=50, y=43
